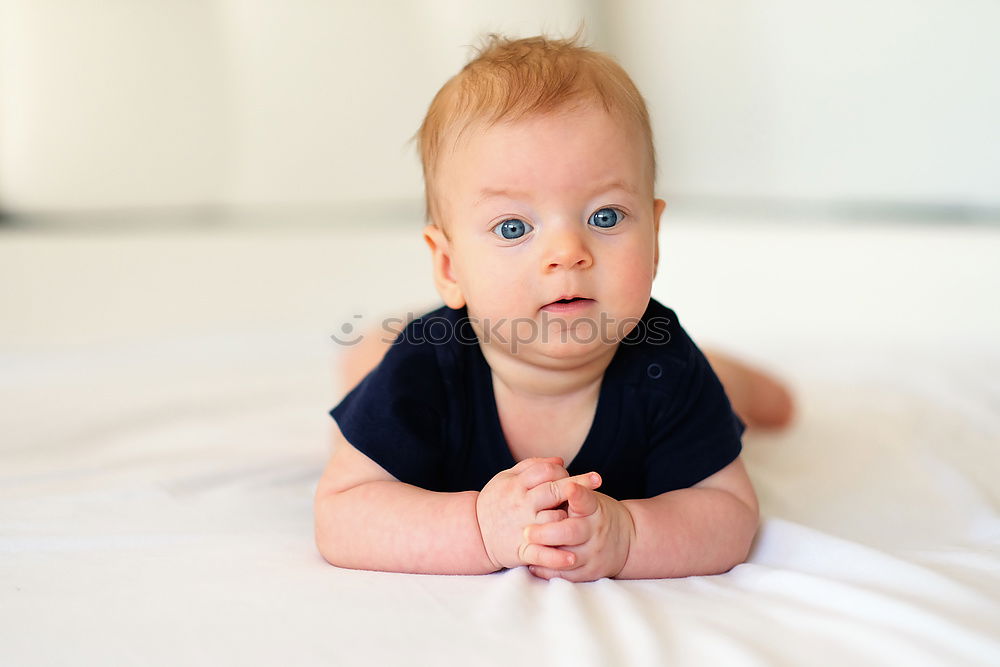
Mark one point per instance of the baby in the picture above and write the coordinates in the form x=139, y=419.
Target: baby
x=552, y=414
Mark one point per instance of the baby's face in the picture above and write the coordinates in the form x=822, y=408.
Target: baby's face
x=546, y=208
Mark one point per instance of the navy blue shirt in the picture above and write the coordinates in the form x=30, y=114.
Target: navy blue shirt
x=428, y=415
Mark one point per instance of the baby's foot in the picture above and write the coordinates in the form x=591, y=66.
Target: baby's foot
x=760, y=399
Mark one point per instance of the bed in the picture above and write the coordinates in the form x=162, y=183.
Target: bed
x=165, y=394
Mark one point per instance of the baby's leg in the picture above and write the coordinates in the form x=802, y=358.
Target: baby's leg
x=363, y=356
x=759, y=398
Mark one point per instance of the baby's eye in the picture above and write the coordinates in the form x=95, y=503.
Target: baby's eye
x=606, y=217
x=512, y=229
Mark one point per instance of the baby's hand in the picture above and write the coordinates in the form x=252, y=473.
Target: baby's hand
x=598, y=530
x=529, y=493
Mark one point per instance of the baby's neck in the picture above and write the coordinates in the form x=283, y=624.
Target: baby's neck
x=523, y=379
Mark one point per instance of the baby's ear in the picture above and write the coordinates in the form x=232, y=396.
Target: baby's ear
x=658, y=206
x=444, y=277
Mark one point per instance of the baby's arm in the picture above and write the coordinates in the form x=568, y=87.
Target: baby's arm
x=366, y=519
x=706, y=529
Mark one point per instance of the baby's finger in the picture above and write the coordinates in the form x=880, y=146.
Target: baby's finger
x=548, y=573
x=575, y=574
x=582, y=501
x=589, y=480
x=546, y=470
x=523, y=464
x=536, y=554
x=548, y=516
x=570, y=532
x=552, y=494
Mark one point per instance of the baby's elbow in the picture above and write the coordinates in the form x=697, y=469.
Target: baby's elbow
x=327, y=537
x=743, y=537
x=750, y=500
x=737, y=536
x=324, y=547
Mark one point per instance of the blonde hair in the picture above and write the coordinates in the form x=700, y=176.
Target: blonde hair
x=510, y=79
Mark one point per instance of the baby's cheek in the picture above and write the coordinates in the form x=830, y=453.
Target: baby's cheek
x=495, y=290
x=637, y=281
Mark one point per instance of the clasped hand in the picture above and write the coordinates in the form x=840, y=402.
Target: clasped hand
x=535, y=514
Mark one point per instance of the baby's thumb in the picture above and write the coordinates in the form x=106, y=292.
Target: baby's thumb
x=580, y=500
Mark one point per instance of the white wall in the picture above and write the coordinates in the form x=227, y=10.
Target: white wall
x=131, y=103
x=326, y=96
x=141, y=103
x=857, y=100
x=111, y=104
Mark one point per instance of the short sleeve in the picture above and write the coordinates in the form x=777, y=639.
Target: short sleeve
x=696, y=433
x=395, y=415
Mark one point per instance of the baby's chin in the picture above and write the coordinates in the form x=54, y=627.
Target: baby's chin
x=570, y=351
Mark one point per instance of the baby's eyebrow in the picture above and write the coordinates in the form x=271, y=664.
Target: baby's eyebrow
x=487, y=193
x=616, y=185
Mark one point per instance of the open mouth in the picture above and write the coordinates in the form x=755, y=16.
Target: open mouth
x=568, y=304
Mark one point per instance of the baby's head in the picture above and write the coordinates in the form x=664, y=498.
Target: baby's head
x=539, y=169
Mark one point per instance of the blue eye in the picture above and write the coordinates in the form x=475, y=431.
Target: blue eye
x=606, y=217
x=512, y=229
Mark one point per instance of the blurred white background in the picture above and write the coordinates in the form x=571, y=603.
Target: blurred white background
x=198, y=198
x=263, y=150
x=216, y=106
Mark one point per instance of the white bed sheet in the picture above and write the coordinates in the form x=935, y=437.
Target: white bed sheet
x=164, y=424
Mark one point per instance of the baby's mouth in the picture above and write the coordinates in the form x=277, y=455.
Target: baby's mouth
x=568, y=304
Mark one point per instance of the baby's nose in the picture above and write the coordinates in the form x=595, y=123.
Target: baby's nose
x=567, y=248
